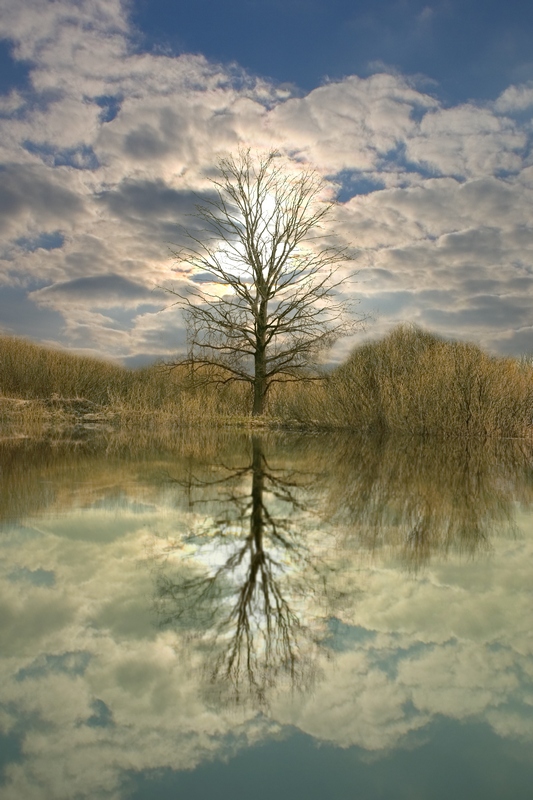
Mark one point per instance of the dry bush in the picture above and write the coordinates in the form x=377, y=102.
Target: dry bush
x=159, y=394
x=31, y=371
x=417, y=383
x=299, y=404
x=151, y=395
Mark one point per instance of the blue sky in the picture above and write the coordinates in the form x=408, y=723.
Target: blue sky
x=112, y=116
x=471, y=48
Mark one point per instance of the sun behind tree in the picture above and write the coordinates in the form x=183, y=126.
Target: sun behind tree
x=277, y=307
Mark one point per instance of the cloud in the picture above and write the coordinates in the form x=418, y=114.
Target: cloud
x=515, y=99
x=352, y=124
x=468, y=140
x=34, y=198
x=101, y=291
x=145, y=200
x=109, y=149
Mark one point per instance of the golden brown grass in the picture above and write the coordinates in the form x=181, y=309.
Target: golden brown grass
x=409, y=382
x=36, y=382
x=31, y=371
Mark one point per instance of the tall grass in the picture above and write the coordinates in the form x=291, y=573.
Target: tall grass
x=409, y=382
x=45, y=378
x=30, y=371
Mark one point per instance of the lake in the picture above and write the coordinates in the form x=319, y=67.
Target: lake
x=220, y=614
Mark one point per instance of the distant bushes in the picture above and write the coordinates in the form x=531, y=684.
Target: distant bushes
x=409, y=382
x=30, y=371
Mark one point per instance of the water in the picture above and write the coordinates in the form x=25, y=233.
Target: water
x=278, y=617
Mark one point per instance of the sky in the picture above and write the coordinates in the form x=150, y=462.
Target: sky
x=113, y=116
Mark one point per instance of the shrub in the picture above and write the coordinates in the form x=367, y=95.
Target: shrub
x=415, y=382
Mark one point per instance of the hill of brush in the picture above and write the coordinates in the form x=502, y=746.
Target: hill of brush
x=414, y=382
x=32, y=372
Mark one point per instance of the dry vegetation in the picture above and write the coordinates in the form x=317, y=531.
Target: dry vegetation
x=43, y=388
x=416, y=383
x=409, y=382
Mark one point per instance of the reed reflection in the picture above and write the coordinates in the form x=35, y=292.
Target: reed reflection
x=423, y=498
x=256, y=595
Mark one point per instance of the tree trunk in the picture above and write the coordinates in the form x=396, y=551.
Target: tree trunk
x=260, y=385
x=258, y=482
x=260, y=366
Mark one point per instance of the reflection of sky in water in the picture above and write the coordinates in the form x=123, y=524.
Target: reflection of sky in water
x=425, y=688
x=66, y=663
x=451, y=760
x=38, y=577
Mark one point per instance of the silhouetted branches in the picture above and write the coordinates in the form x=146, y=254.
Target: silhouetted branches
x=270, y=302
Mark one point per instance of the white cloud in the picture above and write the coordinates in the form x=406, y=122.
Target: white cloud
x=352, y=124
x=515, y=98
x=468, y=141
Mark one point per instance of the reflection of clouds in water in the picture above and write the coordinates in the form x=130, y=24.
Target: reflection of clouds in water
x=455, y=642
x=372, y=695
x=38, y=577
x=144, y=681
x=115, y=693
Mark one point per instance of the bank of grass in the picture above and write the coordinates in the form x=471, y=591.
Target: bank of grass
x=42, y=387
x=410, y=382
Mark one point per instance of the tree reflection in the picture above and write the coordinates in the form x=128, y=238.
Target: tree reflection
x=256, y=584
x=253, y=582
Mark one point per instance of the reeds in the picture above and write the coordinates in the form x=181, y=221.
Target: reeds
x=410, y=382
x=30, y=371
x=38, y=386
x=417, y=383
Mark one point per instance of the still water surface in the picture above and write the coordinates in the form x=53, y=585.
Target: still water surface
x=286, y=616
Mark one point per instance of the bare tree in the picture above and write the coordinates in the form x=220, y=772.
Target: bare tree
x=276, y=307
